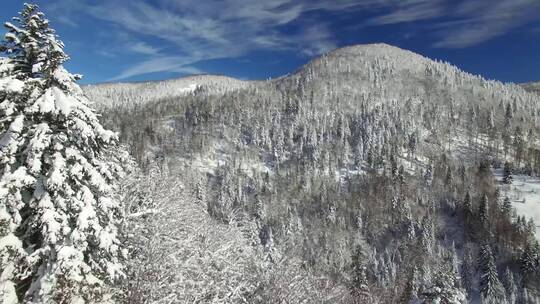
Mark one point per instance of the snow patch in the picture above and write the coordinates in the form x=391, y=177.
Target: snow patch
x=189, y=89
x=11, y=85
x=524, y=193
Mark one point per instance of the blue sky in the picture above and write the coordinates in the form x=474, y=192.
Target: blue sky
x=133, y=40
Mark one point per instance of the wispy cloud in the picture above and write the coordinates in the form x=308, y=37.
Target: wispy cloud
x=143, y=48
x=160, y=64
x=67, y=21
x=407, y=11
x=204, y=30
x=466, y=23
x=184, y=33
x=483, y=20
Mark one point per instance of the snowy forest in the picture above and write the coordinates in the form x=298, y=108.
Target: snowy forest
x=370, y=175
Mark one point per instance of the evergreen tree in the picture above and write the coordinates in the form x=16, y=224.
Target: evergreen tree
x=530, y=261
x=410, y=232
x=531, y=227
x=519, y=145
x=428, y=176
x=491, y=288
x=490, y=120
x=393, y=167
x=507, y=173
x=467, y=206
x=401, y=175
x=508, y=115
x=510, y=286
x=466, y=274
x=409, y=293
x=507, y=207
x=360, y=286
x=427, y=236
x=58, y=215
x=449, y=179
x=483, y=210
x=412, y=145
x=200, y=191
x=444, y=289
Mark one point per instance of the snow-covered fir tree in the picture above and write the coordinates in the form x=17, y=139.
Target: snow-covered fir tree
x=444, y=289
x=58, y=215
x=530, y=258
x=510, y=286
x=507, y=207
x=507, y=173
x=483, y=210
x=491, y=289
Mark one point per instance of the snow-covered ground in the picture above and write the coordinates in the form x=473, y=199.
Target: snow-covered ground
x=525, y=195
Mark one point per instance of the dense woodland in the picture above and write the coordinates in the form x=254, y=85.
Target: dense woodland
x=365, y=177
x=369, y=172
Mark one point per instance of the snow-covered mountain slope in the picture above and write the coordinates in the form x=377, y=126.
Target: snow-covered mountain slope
x=380, y=72
x=385, y=73
x=351, y=78
x=368, y=148
x=532, y=87
x=443, y=108
x=125, y=94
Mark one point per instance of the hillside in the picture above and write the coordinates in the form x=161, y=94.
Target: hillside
x=123, y=94
x=373, y=171
x=389, y=73
x=532, y=87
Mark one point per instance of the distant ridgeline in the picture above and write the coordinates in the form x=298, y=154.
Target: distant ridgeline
x=108, y=95
x=532, y=87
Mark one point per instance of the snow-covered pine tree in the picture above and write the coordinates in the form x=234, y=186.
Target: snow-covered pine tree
x=510, y=286
x=359, y=282
x=530, y=260
x=467, y=206
x=483, y=210
x=507, y=173
x=444, y=289
x=507, y=207
x=491, y=289
x=58, y=214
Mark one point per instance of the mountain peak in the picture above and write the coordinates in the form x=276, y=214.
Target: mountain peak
x=373, y=49
x=361, y=57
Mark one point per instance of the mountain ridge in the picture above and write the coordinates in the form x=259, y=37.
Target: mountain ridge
x=533, y=87
x=376, y=50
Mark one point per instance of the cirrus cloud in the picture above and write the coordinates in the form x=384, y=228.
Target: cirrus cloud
x=174, y=36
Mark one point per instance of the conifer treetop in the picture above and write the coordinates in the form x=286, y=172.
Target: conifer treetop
x=58, y=212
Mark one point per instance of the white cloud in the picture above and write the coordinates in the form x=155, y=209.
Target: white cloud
x=407, y=11
x=190, y=31
x=472, y=22
x=67, y=21
x=483, y=20
x=143, y=48
x=204, y=30
x=160, y=64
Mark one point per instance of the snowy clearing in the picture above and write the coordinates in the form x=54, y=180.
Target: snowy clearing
x=525, y=195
